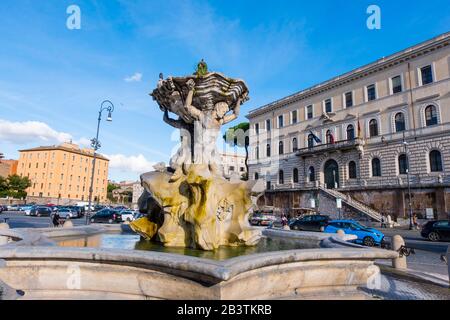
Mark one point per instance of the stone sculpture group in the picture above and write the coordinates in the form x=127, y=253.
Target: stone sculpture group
x=190, y=203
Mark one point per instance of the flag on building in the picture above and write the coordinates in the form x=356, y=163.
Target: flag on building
x=316, y=138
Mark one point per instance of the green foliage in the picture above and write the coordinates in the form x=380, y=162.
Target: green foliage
x=238, y=136
x=14, y=186
x=202, y=69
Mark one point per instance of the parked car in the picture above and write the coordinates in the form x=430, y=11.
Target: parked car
x=41, y=212
x=3, y=208
x=316, y=223
x=127, y=215
x=27, y=209
x=263, y=220
x=67, y=213
x=367, y=236
x=107, y=216
x=79, y=211
x=436, y=230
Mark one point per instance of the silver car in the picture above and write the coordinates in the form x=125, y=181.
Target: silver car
x=66, y=213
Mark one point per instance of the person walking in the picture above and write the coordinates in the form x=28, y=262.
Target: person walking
x=56, y=219
x=416, y=225
x=383, y=221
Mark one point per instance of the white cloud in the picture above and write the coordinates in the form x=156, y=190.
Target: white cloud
x=131, y=164
x=30, y=131
x=137, y=77
x=35, y=132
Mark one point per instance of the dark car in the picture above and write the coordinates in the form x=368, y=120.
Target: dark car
x=107, y=216
x=41, y=212
x=436, y=230
x=3, y=208
x=310, y=223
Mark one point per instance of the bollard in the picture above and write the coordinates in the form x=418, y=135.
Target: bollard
x=396, y=243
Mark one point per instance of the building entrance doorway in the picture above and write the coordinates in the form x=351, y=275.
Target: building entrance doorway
x=331, y=171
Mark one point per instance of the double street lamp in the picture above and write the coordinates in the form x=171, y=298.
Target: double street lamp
x=95, y=144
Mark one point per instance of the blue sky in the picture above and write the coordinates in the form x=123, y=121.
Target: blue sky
x=52, y=79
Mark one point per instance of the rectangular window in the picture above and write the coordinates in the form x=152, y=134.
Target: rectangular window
x=268, y=125
x=328, y=106
x=396, y=84
x=371, y=92
x=426, y=74
x=280, y=121
x=294, y=117
x=309, y=112
x=349, y=99
x=257, y=128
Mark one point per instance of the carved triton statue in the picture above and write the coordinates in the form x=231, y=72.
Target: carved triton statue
x=190, y=204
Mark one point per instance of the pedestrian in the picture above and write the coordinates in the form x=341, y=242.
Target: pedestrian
x=416, y=225
x=56, y=219
x=383, y=221
x=284, y=222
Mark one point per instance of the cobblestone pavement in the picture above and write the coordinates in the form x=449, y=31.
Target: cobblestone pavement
x=392, y=288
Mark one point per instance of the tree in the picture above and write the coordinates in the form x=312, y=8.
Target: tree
x=3, y=187
x=238, y=136
x=111, y=187
x=17, y=186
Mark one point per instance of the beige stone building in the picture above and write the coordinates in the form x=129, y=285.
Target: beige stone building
x=344, y=138
x=63, y=173
x=233, y=163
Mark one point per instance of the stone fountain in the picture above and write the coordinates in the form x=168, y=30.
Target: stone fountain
x=190, y=203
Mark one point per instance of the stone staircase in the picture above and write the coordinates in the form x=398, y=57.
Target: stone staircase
x=360, y=207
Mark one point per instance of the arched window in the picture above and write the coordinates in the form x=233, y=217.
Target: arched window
x=350, y=132
x=373, y=128
x=280, y=147
x=352, y=170
x=294, y=145
x=403, y=164
x=281, y=177
x=312, y=174
x=376, y=167
x=311, y=141
x=295, y=175
x=268, y=150
x=435, y=161
x=330, y=137
x=256, y=176
x=400, y=122
x=431, y=115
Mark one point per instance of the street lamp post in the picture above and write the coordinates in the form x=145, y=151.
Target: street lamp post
x=405, y=144
x=108, y=106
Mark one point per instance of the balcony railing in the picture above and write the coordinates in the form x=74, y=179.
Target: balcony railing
x=330, y=147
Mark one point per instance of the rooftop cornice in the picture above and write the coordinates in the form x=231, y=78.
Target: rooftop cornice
x=56, y=148
x=356, y=74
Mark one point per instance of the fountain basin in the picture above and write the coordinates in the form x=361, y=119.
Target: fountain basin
x=52, y=272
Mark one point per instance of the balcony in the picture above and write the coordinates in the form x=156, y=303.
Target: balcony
x=342, y=145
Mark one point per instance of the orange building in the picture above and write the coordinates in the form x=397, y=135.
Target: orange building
x=64, y=172
x=8, y=167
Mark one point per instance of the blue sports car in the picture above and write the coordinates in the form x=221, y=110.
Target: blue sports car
x=366, y=236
